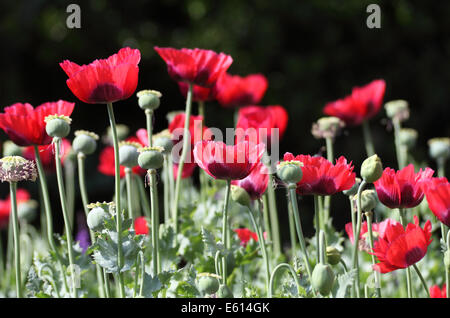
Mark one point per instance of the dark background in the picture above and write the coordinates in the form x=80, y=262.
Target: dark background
x=312, y=52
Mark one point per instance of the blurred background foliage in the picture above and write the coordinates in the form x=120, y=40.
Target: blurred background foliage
x=311, y=51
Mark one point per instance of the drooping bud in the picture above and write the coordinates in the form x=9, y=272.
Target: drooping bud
x=333, y=255
x=439, y=148
x=397, y=109
x=369, y=200
x=408, y=137
x=11, y=149
x=240, y=195
x=16, y=168
x=290, y=172
x=151, y=157
x=208, y=283
x=371, y=169
x=148, y=99
x=224, y=292
x=322, y=278
x=163, y=139
x=57, y=125
x=128, y=153
x=354, y=189
x=327, y=127
x=84, y=142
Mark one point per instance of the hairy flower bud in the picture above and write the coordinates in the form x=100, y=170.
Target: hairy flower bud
x=322, y=278
x=369, y=200
x=208, y=283
x=290, y=171
x=96, y=218
x=16, y=168
x=84, y=142
x=57, y=125
x=371, y=169
x=439, y=148
x=224, y=292
x=327, y=127
x=397, y=109
x=148, y=99
x=151, y=157
x=333, y=255
x=240, y=195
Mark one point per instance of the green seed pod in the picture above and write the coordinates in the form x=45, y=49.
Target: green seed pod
x=128, y=154
x=327, y=127
x=354, y=189
x=371, y=169
x=149, y=99
x=439, y=148
x=231, y=262
x=369, y=200
x=11, y=149
x=208, y=284
x=240, y=195
x=151, y=157
x=408, y=137
x=333, y=255
x=122, y=133
x=224, y=292
x=96, y=218
x=290, y=172
x=57, y=125
x=84, y=142
x=447, y=259
x=397, y=109
x=323, y=278
x=163, y=139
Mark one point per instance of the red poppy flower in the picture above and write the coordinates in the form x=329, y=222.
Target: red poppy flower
x=200, y=94
x=436, y=292
x=237, y=91
x=140, y=226
x=22, y=195
x=107, y=167
x=378, y=230
x=196, y=66
x=245, y=235
x=256, y=182
x=402, y=189
x=364, y=103
x=106, y=80
x=25, y=125
x=321, y=177
x=227, y=162
x=257, y=123
x=47, y=154
x=176, y=127
x=437, y=192
x=400, y=248
x=188, y=170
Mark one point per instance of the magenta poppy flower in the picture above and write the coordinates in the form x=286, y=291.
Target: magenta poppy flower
x=256, y=182
x=400, y=248
x=237, y=91
x=378, y=230
x=25, y=125
x=321, y=177
x=200, y=94
x=402, y=188
x=364, y=103
x=106, y=80
x=195, y=66
x=437, y=192
x=195, y=127
x=227, y=162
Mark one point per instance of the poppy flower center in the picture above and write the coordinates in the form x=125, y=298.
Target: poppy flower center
x=413, y=255
x=106, y=92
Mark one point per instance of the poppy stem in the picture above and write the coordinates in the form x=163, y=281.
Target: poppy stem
x=408, y=270
x=69, y=175
x=273, y=212
x=265, y=206
x=112, y=122
x=143, y=196
x=186, y=140
x=370, y=150
x=298, y=226
x=62, y=196
x=369, y=217
x=424, y=283
x=165, y=175
x=327, y=199
x=202, y=174
x=400, y=150
x=225, y=230
x=356, y=285
x=276, y=270
x=128, y=173
x=151, y=173
x=84, y=198
x=291, y=226
x=317, y=224
x=15, y=221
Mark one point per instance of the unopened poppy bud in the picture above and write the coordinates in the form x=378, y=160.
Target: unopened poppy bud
x=17, y=168
x=408, y=137
x=208, y=283
x=11, y=149
x=148, y=99
x=224, y=292
x=164, y=140
x=84, y=142
x=96, y=218
x=439, y=148
x=327, y=127
x=27, y=210
x=290, y=171
x=369, y=200
x=57, y=125
x=322, y=278
x=128, y=153
x=151, y=157
x=447, y=260
x=333, y=255
x=371, y=169
x=240, y=195
x=354, y=189
x=397, y=109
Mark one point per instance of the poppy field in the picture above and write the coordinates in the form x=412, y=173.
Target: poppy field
x=194, y=212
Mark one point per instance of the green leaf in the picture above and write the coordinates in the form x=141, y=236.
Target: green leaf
x=151, y=285
x=344, y=282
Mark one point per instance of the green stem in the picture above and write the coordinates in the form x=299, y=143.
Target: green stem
x=317, y=222
x=369, y=216
x=225, y=230
x=400, y=150
x=408, y=270
x=112, y=122
x=84, y=198
x=106, y=280
x=155, y=221
x=291, y=226
x=165, y=175
x=15, y=220
x=143, y=196
x=276, y=270
x=327, y=199
x=265, y=206
x=370, y=150
x=424, y=283
x=70, y=190
x=186, y=141
x=128, y=177
x=273, y=212
x=322, y=248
